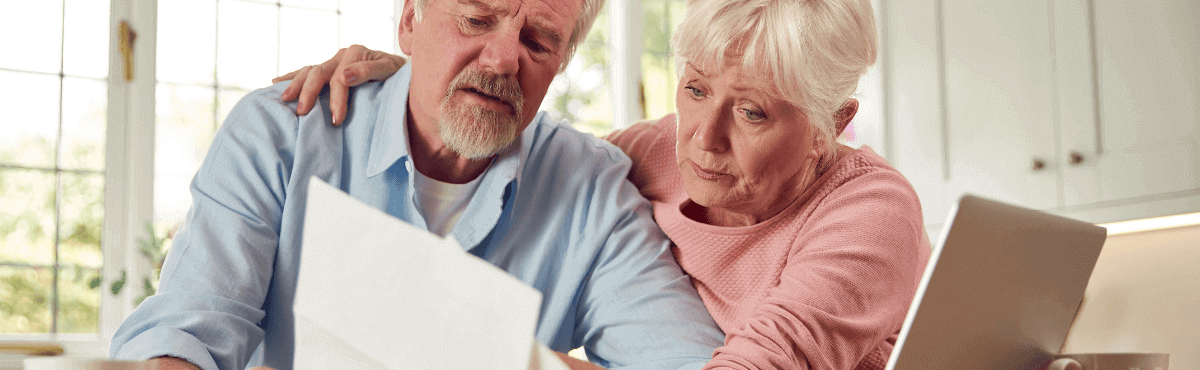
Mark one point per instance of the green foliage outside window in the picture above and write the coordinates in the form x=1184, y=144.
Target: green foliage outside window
x=579, y=95
x=659, y=77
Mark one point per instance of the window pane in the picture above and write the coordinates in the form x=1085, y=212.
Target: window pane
x=580, y=94
x=84, y=113
x=312, y=4
x=29, y=132
x=184, y=128
x=80, y=220
x=187, y=41
x=374, y=32
x=78, y=302
x=34, y=28
x=659, y=78
x=27, y=217
x=377, y=8
x=25, y=299
x=246, y=44
x=226, y=99
x=172, y=198
x=85, y=38
x=305, y=37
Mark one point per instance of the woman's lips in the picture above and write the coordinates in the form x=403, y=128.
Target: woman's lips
x=706, y=174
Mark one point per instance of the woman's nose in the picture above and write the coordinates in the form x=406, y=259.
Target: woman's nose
x=711, y=133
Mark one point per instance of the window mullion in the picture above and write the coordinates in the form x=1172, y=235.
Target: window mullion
x=625, y=61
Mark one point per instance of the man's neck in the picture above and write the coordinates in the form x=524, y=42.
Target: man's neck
x=436, y=161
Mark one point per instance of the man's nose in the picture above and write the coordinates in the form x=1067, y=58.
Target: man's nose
x=502, y=53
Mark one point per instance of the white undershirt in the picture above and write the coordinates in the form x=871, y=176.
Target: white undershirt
x=440, y=203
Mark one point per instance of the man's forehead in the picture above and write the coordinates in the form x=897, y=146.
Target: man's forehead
x=538, y=8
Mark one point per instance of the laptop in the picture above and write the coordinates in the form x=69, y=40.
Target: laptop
x=1001, y=291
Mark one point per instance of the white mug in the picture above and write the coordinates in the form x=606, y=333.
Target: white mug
x=1110, y=361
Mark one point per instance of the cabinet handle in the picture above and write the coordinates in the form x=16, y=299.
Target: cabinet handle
x=1076, y=158
x=1038, y=164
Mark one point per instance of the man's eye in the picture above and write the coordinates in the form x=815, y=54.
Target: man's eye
x=696, y=93
x=534, y=46
x=476, y=22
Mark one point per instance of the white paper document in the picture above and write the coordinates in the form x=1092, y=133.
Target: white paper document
x=374, y=292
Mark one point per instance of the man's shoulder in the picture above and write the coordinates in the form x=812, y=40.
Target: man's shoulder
x=571, y=147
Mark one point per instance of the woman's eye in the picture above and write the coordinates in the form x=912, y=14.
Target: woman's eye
x=752, y=115
x=694, y=92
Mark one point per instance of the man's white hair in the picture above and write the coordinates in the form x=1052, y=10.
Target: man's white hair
x=809, y=53
x=587, y=15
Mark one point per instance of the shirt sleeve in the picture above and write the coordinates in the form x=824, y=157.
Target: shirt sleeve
x=847, y=284
x=638, y=309
x=217, y=274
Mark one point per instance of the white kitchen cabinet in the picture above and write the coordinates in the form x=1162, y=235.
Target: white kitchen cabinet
x=1148, y=87
x=999, y=81
x=1082, y=108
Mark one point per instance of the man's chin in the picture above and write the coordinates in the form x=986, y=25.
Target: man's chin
x=478, y=142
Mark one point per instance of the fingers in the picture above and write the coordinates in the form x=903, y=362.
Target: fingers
x=350, y=67
x=315, y=80
x=293, y=90
x=344, y=76
x=375, y=69
x=339, y=97
x=286, y=77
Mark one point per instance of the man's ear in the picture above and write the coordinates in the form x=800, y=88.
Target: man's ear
x=844, y=115
x=407, y=21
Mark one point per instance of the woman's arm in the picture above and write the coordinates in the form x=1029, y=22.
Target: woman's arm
x=846, y=286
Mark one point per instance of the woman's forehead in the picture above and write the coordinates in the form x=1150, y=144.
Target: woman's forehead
x=739, y=77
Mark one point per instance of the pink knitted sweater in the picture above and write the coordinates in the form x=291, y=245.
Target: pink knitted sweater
x=825, y=284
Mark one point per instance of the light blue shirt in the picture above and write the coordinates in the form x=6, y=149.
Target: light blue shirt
x=554, y=211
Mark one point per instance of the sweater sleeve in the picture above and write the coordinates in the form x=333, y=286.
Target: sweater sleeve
x=636, y=141
x=847, y=284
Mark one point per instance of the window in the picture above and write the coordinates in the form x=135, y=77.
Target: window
x=52, y=165
x=579, y=95
x=659, y=77
x=73, y=139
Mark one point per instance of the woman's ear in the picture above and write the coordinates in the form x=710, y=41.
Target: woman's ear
x=844, y=115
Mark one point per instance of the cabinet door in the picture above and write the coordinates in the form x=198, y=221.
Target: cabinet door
x=1148, y=93
x=999, y=93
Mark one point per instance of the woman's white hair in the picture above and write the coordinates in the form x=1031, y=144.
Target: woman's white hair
x=809, y=53
x=587, y=15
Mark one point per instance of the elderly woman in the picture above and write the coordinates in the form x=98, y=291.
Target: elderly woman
x=806, y=252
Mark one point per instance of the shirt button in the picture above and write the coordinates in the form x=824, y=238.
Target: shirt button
x=408, y=166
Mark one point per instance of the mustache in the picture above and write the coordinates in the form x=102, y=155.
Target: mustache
x=506, y=88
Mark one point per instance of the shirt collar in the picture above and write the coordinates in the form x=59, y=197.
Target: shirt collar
x=392, y=129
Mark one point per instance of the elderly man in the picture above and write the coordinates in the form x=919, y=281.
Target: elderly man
x=452, y=143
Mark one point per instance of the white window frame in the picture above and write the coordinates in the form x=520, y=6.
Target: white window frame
x=625, y=61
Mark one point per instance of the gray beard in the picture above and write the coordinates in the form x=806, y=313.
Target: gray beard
x=475, y=132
